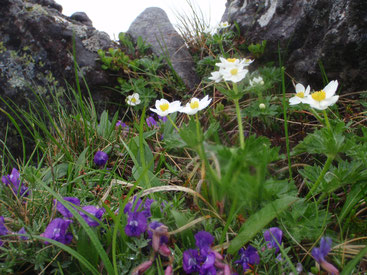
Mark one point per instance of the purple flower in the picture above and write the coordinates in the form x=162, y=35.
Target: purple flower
x=208, y=261
x=248, y=257
x=190, y=261
x=151, y=122
x=203, y=240
x=22, y=231
x=100, y=158
x=162, y=118
x=319, y=253
x=94, y=211
x=136, y=224
x=3, y=230
x=123, y=125
x=13, y=180
x=272, y=236
x=63, y=210
x=136, y=205
x=56, y=230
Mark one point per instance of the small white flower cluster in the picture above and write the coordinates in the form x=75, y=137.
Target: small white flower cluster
x=164, y=108
x=319, y=100
x=231, y=69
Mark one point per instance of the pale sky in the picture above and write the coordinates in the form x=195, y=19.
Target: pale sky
x=114, y=16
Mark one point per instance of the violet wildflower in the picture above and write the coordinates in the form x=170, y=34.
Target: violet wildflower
x=319, y=253
x=63, y=210
x=22, y=231
x=94, y=211
x=163, y=119
x=137, y=205
x=190, y=261
x=13, y=180
x=100, y=158
x=3, y=230
x=273, y=237
x=123, y=125
x=203, y=240
x=151, y=122
x=248, y=257
x=56, y=230
x=136, y=224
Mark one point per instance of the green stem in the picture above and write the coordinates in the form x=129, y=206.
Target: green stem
x=328, y=162
x=286, y=127
x=327, y=120
x=316, y=115
x=239, y=120
x=174, y=125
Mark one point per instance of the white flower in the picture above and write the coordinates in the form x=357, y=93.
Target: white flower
x=257, y=81
x=133, y=99
x=195, y=105
x=301, y=94
x=234, y=74
x=216, y=76
x=210, y=30
x=320, y=100
x=229, y=62
x=262, y=106
x=163, y=107
x=223, y=25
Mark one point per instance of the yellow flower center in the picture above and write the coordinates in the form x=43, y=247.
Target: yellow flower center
x=194, y=104
x=234, y=71
x=133, y=100
x=301, y=94
x=164, y=107
x=319, y=96
x=232, y=60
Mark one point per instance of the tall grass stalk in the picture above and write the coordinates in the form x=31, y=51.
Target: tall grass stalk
x=286, y=125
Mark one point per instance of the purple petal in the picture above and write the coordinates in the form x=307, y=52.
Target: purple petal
x=272, y=236
x=203, y=239
x=22, y=231
x=63, y=210
x=56, y=230
x=190, y=261
x=100, y=158
x=94, y=211
x=136, y=224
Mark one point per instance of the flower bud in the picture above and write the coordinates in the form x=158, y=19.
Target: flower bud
x=262, y=106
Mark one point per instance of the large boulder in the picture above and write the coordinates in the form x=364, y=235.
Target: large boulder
x=36, y=52
x=155, y=29
x=309, y=32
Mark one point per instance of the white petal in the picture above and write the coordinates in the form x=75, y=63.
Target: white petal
x=300, y=88
x=331, y=88
x=307, y=92
x=329, y=101
x=294, y=100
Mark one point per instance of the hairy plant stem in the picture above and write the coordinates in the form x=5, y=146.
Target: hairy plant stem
x=327, y=121
x=239, y=118
x=174, y=125
x=328, y=162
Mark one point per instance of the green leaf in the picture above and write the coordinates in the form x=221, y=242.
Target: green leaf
x=259, y=221
x=348, y=269
x=80, y=163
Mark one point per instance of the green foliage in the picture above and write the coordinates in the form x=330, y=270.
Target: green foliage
x=258, y=49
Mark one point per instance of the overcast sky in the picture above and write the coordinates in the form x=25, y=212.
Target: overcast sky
x=114, y=16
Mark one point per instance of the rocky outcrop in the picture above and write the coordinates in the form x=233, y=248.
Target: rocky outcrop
x=36, y=51
x=155, y=28
x=309, y=31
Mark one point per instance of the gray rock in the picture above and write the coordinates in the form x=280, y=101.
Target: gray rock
x=155, y=28
x=36, y=53
x=309, y=31
x=82, y=17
